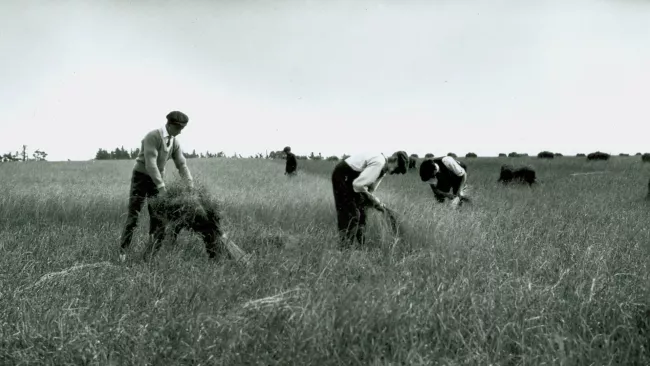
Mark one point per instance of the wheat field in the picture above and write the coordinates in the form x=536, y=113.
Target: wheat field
x=555, y=275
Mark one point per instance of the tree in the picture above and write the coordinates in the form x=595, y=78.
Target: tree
x=192, y=155
x=39, y=155
x=8, y=157
x=429, y=155
x=471, y=155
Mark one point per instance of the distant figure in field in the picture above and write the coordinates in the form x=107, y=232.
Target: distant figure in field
x=158, y=146
x=444, y=174
x=354, y=180
x=524, y=174
x=292, y=163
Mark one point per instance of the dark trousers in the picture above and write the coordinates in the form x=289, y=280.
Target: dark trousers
x=445, y=184
x=350, y=206
x=142, y=186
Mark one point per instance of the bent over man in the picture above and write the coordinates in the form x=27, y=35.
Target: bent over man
x=354, y=180
x=445, y=174
x=157, y=147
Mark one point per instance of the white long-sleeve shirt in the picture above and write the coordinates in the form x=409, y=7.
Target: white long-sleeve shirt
x=453, y=165
x=370, y=165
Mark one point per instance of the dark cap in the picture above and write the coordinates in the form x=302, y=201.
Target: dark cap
x=178, y=118
x=427, y=170
x=402, y=162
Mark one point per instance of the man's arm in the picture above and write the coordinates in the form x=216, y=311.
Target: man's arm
x=150, y=143
x=367, y=177
x=441, y=193
x=181, y=163
x=373, y=187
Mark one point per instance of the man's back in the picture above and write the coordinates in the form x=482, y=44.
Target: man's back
x=292, y=163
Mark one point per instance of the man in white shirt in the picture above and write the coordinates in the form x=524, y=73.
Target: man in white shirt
x=354, y=180
x=445, y=174
x=147, y=178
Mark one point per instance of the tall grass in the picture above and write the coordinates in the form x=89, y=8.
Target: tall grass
x=557, y=274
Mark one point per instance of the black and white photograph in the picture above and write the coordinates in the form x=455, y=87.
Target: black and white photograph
x=325, y=182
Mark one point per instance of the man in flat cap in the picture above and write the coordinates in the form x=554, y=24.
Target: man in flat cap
x=158, y=146
x=292, y=163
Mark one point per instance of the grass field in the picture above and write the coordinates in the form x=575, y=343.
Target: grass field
x=556, y=275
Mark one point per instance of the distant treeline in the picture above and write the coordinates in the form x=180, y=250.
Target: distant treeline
x=23, y=155
x=120, y=153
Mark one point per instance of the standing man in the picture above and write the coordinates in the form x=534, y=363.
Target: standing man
x=292, y=163
x=158, y=146
x=445, y=174
x=354, y=180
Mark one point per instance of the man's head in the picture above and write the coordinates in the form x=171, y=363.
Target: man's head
x=287, y=150
x=398, y=163
x=428, y=170
x=176, y=122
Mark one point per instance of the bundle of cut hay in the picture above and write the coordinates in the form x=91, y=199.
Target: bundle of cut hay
x=195, y=209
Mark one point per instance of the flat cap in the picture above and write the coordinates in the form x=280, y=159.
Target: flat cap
x=177, y=117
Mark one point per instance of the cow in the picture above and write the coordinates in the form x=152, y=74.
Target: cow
x=523, y=174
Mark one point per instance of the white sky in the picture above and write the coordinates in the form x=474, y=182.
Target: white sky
x=329, y=76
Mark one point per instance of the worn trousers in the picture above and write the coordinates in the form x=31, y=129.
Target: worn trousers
x=446, y=184
x=350, y=206
x=142, y=187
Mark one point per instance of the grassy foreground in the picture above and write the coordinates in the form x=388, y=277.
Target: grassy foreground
x=557, y=275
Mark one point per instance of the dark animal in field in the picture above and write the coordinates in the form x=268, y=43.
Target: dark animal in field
x=546, y=155
x=524, y=174
x=645, y=158
x=412, y=162
x=598, y=155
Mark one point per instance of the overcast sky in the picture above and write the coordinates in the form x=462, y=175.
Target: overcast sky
x=329, y=76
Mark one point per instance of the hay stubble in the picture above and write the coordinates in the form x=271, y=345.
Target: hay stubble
x=554, y=275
